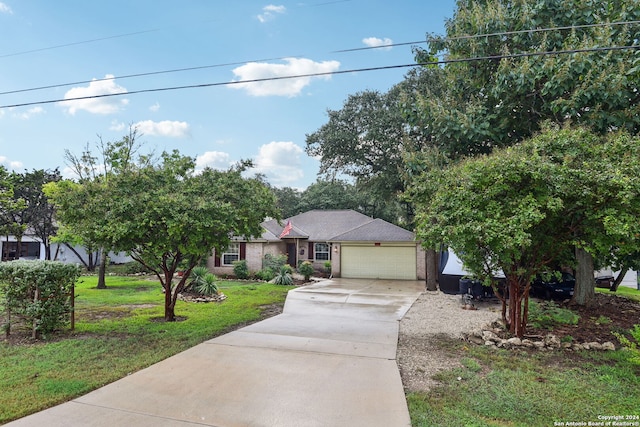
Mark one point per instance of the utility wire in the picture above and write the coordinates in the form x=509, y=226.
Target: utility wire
x=331, y=73
x=78, y=43
x=290, y=56
x=150, y=73
x=502, y=33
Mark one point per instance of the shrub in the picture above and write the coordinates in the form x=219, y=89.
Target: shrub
x=306, y=269
x=547, y=315
x=327, y=267
x=38, y=292
x=134, y=267
x=196, y=277
x=284, y=276
x=274, y=262
x=240, y=269
x=207, y=285
x=265, y=274
x=630, y=346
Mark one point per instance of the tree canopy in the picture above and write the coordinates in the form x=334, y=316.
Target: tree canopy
x=368, y=138
x=500, y=101
x=167, y=217
x=522, y=209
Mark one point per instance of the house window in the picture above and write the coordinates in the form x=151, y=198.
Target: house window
x=321, y=251
x=28, y=250
x=232, y=253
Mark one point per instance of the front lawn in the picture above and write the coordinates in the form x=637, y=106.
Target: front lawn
x=524, y=387
x=118, y=331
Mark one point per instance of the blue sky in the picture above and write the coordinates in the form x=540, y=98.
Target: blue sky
x=46, y=43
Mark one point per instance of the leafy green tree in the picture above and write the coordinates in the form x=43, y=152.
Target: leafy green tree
x=167, y=217
x=500, y=101
x=38, y=213
x=522, y=209
x=288, y=201
x=368, y=138
x=328, y=195
x=112, y=158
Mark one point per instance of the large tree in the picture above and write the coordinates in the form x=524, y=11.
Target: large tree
x=524, y=208
x=98, y=165
x=591, y=76
x=368, y=138
x=37, y=214
x=168, y=218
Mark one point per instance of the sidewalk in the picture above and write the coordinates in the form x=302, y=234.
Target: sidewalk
x=327, y=360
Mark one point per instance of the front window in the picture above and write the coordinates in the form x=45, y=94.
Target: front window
x=321, y=251
x=28, y=250
x=232, y=253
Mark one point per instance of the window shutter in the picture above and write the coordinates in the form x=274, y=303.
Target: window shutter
x=310, y=250
x=243, y=250
x=216, y=259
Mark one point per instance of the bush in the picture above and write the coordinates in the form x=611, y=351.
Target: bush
x=274, y=262
x=127, y=269
x=265, y=274
x=39, y=293
x=196, y=277
x=240, y=269
x=207, y=285
x=547, y=315
x=306, y=269
x=327, y=267
x=284, y=276
x=630, y=346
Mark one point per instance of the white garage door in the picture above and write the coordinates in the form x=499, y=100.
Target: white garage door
x=378, y=262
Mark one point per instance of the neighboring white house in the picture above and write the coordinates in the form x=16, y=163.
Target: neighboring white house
x=32, y=248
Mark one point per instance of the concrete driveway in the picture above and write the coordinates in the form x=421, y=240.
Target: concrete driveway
x=327, y=360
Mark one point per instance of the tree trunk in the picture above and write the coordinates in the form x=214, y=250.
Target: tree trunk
x=432, y=270
x=584, y=292
x=77, y=254
x=102, y=284
x=169, y=303
x=517, y=313
x=616, y=283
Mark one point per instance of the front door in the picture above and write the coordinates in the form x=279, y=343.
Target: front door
x=292, y=256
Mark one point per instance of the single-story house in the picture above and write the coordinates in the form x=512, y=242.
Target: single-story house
x=356, y=245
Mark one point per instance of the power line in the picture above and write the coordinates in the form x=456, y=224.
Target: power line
x=502, y=33
x=331, y=73
x=78, y=43
x=177, y=70
x=150, y=73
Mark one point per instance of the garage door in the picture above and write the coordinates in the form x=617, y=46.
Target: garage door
x=378, y=262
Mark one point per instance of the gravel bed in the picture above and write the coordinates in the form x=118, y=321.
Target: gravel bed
x=432, y=319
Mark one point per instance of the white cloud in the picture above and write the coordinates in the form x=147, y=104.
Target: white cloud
x=105, y=105
x=30, y=113
x=269, y=12
x=284, y=87
x=155, y=107
x=173, y=129
x=214, y=160
x=12, y=164
x=4, y=8
x=280, y=163
x=117, y=126
x=376, y=42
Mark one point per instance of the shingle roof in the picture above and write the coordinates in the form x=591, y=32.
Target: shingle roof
x=337, y=226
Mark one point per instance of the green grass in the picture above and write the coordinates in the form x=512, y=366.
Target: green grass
x=624, y=291
x=505, y=388
x=115, y=336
